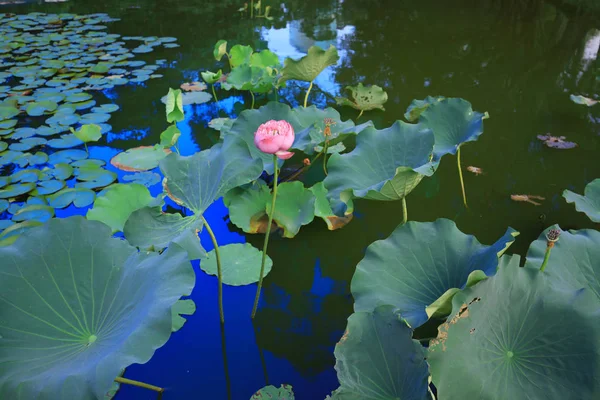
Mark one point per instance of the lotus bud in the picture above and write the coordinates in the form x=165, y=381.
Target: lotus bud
x=275, y=137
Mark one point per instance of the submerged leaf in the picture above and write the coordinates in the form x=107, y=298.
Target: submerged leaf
x=556, y=142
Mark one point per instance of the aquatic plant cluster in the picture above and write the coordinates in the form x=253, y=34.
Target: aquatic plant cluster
x=81, y=305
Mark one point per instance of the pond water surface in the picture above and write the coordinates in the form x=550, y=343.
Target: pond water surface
x=519, y=61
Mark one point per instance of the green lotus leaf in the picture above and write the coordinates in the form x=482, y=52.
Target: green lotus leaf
x=416, y=108
x=94, y=118
x=78, y=97
x=35, y=109
x=94, y=178
x=295, y=207
x=239, y=55
x=7, y=112
x=197, y=181
x=453, y=123
x=150, y=228
x=271, y=392
x=310, y=66
x=220, y=49
x=386, y=165
x=45, y=188
x=36, y=212
x=143, y=178
x=170, y=136
x=88, y=133
x=9, y=235
x=264, y=58
x=143, y=158
x=61, y=171
x=182, y=307
x=323, y=208
x=589, y=203
x=378, y=359
x=23, y=133
x=420, y=267
x=16, y=190
x=4, y=205
x=7, y=124
x=105, y=108
x=248, y=206
x=79, y=197
x=585, y=101
x=240, y=264
x=67, y=156
x=117, y=204
x=101, y=68
x=88, y=322
x=364, y=98
x=174, y=106
x=255, y=79
x=3, y=146
x=515, y=337
x=39, y=158
x=221, y=124
x=211, y=77
x=573, y=262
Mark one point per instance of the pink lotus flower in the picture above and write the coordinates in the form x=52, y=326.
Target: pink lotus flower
x=275, y=137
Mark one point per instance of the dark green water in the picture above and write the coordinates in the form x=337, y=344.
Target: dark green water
x=518, y=60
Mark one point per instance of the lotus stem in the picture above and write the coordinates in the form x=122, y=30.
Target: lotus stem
x=404, y=211
x=360, y=114
x=325, y=157
x=261, y=355
x=267, y=234
x=131, y=382
x=307, y=93
x=552, y=237
x=219, y=274
x=225, y=363
x=462, y=182
x=251, y=8
x=215, y=94
x=252, y=94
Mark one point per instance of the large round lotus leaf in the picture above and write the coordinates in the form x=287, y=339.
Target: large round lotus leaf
x=150, y=228
x=416, y=108
x=142, y=158
x=589, y=203
x=386, y=165
x=197, y=181
x=86, y=303
x=80, y=197
x=378, y=359
x=271, y=392
x=310, y=66
x=147, y=179
x=420, y=267
x=115, y=207
x=240, y=264
x=453, y=123
x=248, y=122
x=36, y=212
x=313, y=130
x=514, y=337
x=16, y=190
x=248, y=206
x=174, y=106
x=294, y=207
x=264, y=58
x=255, y=79
x=364, y=98
x=48, y=187
x=182, y=307
x=239, y=55
x=574, y=260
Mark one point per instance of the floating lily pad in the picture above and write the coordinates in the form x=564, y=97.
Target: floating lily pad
x=41, y=213
x=240, y=264
x=10, y=234
x=143, y=178
x=142, y=158
x=94, y=178
x=28, y=144
x=557, y=142
x=65, y=142
x=48, y=187
x=79, y=197
x=583, y=100
x=35, y=109
x=16, y=190
x=589, y=203
x=67, y=156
